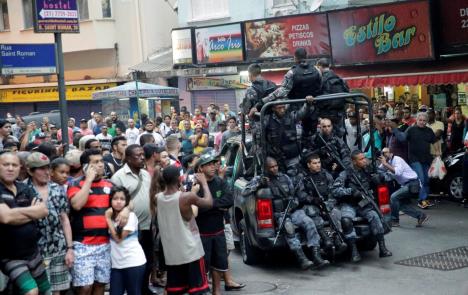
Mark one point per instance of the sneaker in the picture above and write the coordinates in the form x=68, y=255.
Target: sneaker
x=422, y=220
x=395, y=223
x=423, y=204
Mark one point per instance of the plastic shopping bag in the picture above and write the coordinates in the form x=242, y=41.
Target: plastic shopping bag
x=437, y=169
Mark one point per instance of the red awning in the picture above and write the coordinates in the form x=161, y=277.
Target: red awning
x=423, y=78
x=428, y=73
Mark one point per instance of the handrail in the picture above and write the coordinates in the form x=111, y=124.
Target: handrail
x=350, y=98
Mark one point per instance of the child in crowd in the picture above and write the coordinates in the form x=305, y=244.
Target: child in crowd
x=127, y=256
x=60, y=171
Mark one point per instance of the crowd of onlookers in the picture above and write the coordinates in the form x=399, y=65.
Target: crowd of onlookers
x=85, y=215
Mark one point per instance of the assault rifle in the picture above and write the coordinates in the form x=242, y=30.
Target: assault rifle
x=283, y=221
x=367, y=197
x=323, y=207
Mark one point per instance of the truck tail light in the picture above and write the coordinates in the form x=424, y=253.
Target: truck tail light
x=383, y=197
x=264, y=213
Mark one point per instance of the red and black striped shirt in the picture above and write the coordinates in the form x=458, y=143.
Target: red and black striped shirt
x=89, y=224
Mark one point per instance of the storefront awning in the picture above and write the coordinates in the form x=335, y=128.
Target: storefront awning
x=426, y=73
x=399, y=79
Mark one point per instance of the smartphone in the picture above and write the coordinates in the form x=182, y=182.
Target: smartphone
x=223, y=161
x=85, y=168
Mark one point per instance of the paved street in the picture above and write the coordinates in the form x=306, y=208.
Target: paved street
x=447, y=228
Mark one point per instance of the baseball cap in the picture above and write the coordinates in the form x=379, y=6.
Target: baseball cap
x=83, y=120
x=37, y=160
x=207, y=158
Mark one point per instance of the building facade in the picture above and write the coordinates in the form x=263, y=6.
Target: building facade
x=114, y=35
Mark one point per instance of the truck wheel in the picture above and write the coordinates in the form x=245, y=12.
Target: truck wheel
x=367, y=244
x=250, y=254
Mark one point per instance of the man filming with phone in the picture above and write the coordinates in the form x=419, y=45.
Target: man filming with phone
x=89, y=200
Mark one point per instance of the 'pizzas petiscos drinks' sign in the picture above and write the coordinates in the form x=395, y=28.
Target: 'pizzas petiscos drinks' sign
x=394, y=32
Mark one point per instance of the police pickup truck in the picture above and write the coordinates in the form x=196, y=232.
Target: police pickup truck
x=252, y=216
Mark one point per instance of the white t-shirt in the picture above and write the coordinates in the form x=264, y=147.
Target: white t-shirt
x=132, y=135
x=128, y=253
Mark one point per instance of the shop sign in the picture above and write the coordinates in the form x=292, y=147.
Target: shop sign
x=453, y=16
x=280, y=37
x=56, y=16
x=42, y=94
x=26, y=59
x=383, y=33
x=215, y=83
x=219, y=44
x=182, y=46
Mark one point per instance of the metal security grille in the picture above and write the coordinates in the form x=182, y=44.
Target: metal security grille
x=446, y=260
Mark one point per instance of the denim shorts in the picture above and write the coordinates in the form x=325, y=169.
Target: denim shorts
x=92, y=264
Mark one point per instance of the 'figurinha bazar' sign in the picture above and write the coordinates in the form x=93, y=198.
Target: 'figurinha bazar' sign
x=382, y=33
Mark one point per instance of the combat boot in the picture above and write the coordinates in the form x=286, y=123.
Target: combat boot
x=355, y=256
x=383, y=251
x=304, y=263
x=317, y=258
x=327, y=243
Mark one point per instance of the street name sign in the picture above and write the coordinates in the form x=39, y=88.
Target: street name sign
x=25, y=59
x=56, y=16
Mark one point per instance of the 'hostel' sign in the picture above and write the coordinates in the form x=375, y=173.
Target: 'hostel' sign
x=394, y=32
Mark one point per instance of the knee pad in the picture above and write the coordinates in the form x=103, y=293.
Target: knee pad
x=347, y=225
x=289, y=228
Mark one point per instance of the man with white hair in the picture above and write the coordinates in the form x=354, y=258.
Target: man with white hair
x=419, y=138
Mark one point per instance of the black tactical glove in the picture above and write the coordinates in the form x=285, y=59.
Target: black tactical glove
x=294, y=205
x=356, y=195
x=264, y=181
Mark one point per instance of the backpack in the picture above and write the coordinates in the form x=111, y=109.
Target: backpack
x=264, y=89
x=332, y=83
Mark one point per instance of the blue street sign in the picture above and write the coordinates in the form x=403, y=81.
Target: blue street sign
x=56, y=16
x=22, y=59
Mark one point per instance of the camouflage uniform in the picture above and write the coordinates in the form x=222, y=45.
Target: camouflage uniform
x=343, y=189
x=308, y=197
x=316, y=144
x=259, y=87
x=282, y=139
x=280, y=201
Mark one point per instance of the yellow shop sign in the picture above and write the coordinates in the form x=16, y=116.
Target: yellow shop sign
x=40, y=94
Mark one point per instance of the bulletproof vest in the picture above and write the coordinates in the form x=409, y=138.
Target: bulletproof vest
x=279, y=198
x=306, y=81
x=321, y=182
x=331, y=83
x=317, y=144
x=365, y=178
x=282, y=136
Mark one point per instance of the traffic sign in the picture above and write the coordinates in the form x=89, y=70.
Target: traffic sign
x=25, y=59
x=56, y=16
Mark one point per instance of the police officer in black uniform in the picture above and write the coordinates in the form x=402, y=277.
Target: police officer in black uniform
x=253, y=103
x=314, y=193
x=349, y=193
x=332, y=109
x=326, y=137
x=301, y=81
x=283, y=193
x=281, y=136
